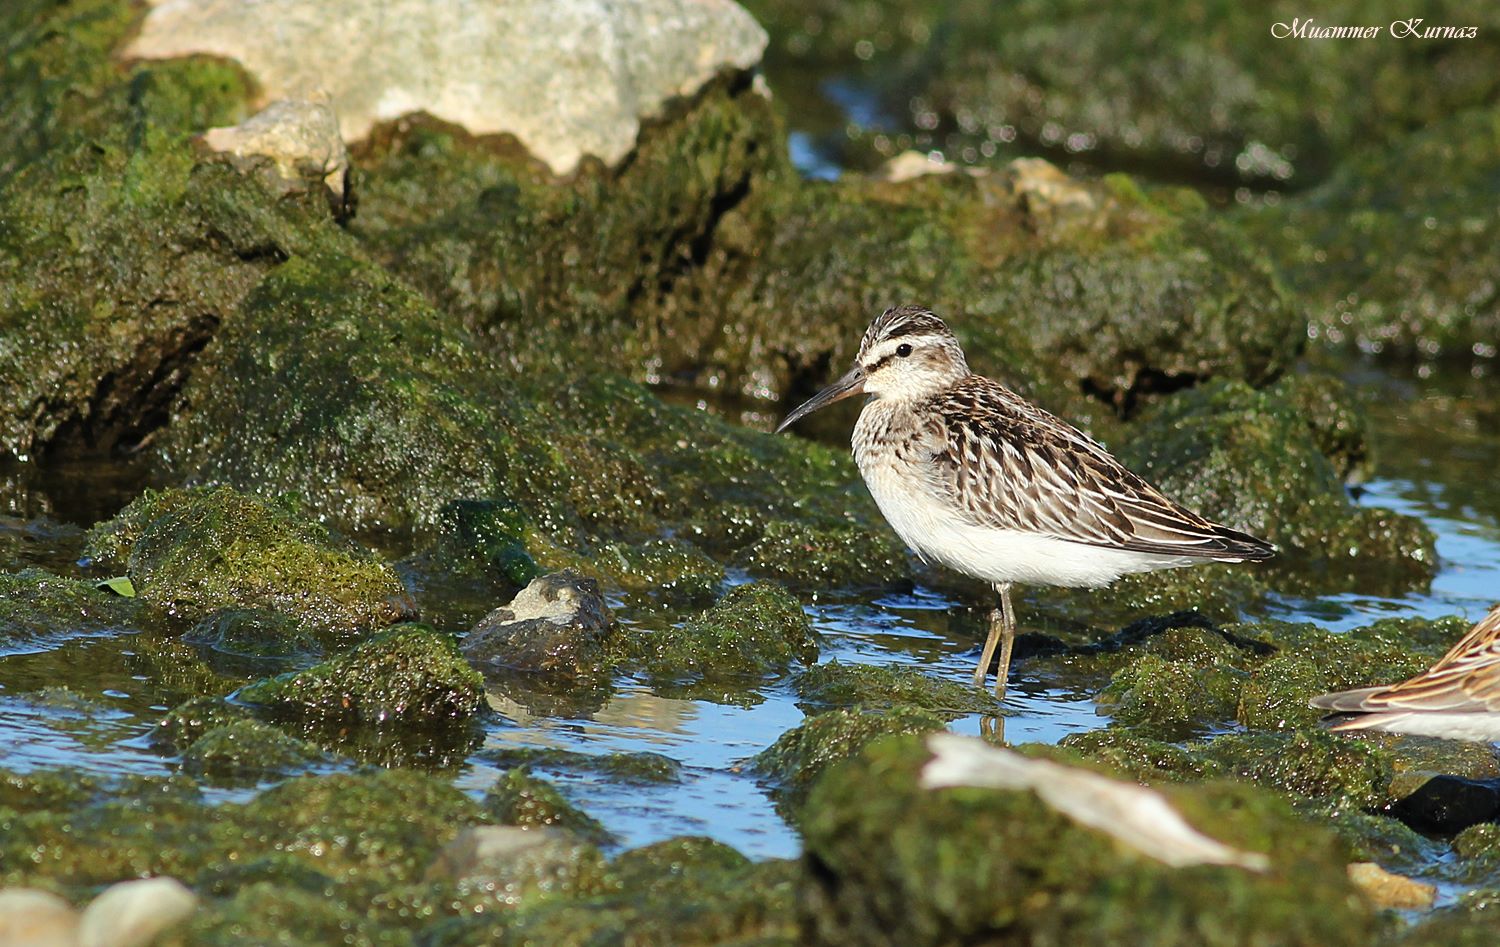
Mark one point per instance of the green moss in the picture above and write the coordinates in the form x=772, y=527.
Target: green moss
x=754, y=631
x=890, y=862
x=1341, y=429
x=35, y=604
x=193, y=552
x=834, y=685
x=247, y=751
x=519, y=798
x=407, y=677
x=1141, y=757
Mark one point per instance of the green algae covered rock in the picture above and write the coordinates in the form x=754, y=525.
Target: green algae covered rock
x=1396, y=252
x=1172, y=695
x=407, y=677
x=514, y=866
x=521, y=799
x=888, y=862
x=193, y=552
x=1311, y=763
x=245, y=751
x=1248, y=459
x=35, y=605
x=834, y=685
x=756, y=630
x=1218, y=92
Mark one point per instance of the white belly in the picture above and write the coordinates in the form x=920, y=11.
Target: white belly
x=1480, y=727
x=935, y=532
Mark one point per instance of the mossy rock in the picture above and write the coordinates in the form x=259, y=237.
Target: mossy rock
x=194, y=552
x=755, y=631
x=1395, y=253
x=834, y=685
x=36, y=605
x=409, y=677
x=1205, y=94
x=888, y=862
x=521, y=799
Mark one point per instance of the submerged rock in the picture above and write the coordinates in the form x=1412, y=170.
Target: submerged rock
x=890, y=862
x=793, y=764
x=247, y=751
x=602, y=70
x=559, y=625
x=193, y=552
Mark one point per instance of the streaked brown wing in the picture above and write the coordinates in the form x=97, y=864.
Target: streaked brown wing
x=1466, y=679
x=1008, y=464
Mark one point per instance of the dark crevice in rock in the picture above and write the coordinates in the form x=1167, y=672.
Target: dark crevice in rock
x=135, y=400
x=1147, y=383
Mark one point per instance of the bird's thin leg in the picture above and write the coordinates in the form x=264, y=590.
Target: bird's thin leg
x=996, y=621
x=1008, y=633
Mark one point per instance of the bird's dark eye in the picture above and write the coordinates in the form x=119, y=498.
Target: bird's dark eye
x=903, y=350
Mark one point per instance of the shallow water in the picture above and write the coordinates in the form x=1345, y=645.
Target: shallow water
x=89, y=702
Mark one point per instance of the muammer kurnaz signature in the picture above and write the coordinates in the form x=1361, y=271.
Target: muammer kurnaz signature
x=1415, y=28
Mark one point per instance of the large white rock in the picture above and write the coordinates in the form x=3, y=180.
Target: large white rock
x=132, y=913
x=33, y=918
x=568, y=78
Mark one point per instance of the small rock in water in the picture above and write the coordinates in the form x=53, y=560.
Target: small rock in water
x=1387, y=890
x=559, y=624
x=301, y=139
x=33, y=918
x=133, y=913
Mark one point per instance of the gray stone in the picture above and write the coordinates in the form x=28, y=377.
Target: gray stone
x=33, y=918
x=559, y=624
x=567, y=78
x=133, y=913
x=300, y=137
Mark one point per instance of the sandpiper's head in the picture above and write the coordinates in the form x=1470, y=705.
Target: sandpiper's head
x=907, y=353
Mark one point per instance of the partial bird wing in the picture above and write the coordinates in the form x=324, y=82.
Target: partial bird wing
x=1007, y=464
x=1465, y=680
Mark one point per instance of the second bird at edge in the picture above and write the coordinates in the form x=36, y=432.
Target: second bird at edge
x=972, y=476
